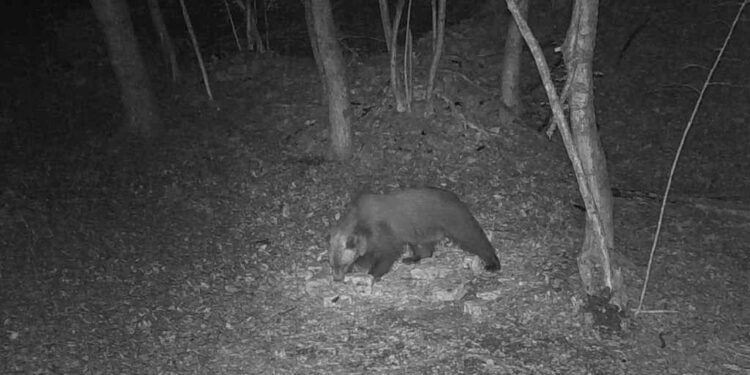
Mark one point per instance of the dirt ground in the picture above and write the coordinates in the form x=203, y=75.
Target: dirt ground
x=204, y=252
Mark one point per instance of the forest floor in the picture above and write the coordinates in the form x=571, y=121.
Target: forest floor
x=204, y=252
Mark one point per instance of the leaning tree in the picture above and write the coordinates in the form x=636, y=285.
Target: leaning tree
x=583, y=146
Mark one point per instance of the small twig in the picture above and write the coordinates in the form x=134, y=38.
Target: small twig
x=467, y=79
x=679, y=86
x=631, y=37
x=679, y=151
x=563, y=101
x=280, y=313
x=693, y=65
x=196, y=48
x=460, y=117
x=234, y=29
x=730, y=85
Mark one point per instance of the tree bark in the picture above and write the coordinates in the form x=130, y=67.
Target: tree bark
x=254, y=40
x=335, y=78
x=141, y=111
x=437, y=53
x=165, y=40
x=315, y=49
x=398, y=96
x=510, y=89
x=594, y=261
x=385, y=20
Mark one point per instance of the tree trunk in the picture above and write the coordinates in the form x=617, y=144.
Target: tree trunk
x=510, y=88
x=335, y=78
x=254, y=41
x=385, y=19
x=437, y=53
x=398, y=96
x=165, y=40
x=196, y=49
x=594, y=262
x=315, y=48
x=584, y=149
x=141, y=113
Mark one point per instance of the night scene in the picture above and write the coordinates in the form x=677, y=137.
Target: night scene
x=375, y=187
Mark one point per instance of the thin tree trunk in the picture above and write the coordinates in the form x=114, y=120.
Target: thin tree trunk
x=433, y=13
x=408, y=54
x=385, y=19
x=510, y=89
x=248, y=25
x=165, y=40
x=397, y=94
x=437, y=53
x=231, y=23
x=254, y=40
x=594, y=262
x=335, y=77
x=196, y=49
x=141, y=111
x=315, y=49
